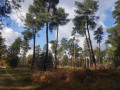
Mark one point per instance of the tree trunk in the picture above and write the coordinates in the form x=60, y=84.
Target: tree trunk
x=89, y=50
x=74, y=57
x=99, y=55
x=79, y=63
x=90, y=58
x=103, y=60
x=46, y=57
x=92, y=52
x=55, y=67
x=33, y=61
x=86, y=62
x=23, y=58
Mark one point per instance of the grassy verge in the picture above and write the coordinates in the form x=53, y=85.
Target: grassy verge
x=8, y=82
x=2, y=71
x=69, y=67
x=23, y=76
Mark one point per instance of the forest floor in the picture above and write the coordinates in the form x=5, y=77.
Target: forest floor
x=61, y=79
x=15, y=80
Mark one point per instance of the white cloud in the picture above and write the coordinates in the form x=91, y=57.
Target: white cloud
x=29, y=52
x=18, y=15
x=9, y=35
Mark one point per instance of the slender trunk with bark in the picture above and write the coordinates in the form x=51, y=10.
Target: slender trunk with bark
x=88, y=50
x=23, y=58
x=86, y=63
x=46, y=56
x=55, y=67
x=92, y=52
x=33, y=61
x=103, y=60
x=85, y=60
x=74, y=57
x=99, y=54
x=79, y=63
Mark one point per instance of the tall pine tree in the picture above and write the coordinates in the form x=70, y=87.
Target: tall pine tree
x=85, y=21
x=59, y=19
x=98, y=36
x=114, y=36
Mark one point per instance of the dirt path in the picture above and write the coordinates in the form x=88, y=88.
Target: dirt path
x=1, y=82
x=8, y=82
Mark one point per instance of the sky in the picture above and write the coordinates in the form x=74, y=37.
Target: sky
x=11, y=32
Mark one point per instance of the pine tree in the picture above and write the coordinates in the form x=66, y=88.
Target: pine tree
x=98, y=36
x=114, y=36
x=59, y=19
x=25, y=48
x=34, y=23
x=85, y=21
x=50, y=6
x=14, y=52
x=86, y=52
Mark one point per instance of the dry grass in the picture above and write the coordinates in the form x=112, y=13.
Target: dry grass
x=78, y=80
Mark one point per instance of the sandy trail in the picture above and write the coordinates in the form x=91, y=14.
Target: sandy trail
x=8, y=82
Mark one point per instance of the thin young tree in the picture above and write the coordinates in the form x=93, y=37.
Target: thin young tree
x=98, y=36
x=86, y=51
x=25, y=48
x=27, y=35
x=73, y=49
x=63, y=48
x=75, y=41
x=59, y=19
